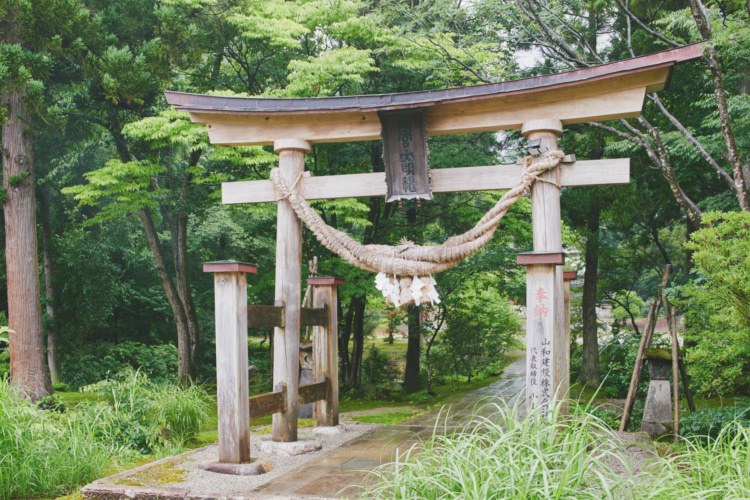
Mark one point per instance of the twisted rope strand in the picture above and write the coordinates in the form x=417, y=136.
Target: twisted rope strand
x=410, y=259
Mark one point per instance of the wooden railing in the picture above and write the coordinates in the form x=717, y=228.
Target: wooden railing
x=273, y=316
x=274, y=402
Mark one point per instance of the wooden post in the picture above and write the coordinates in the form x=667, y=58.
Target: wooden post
x=547, y=368
x=230, y=295
x=648, y=331
x=288, y=289
x=326, y=349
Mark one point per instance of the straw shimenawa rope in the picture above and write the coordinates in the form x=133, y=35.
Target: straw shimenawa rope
x=410, y=259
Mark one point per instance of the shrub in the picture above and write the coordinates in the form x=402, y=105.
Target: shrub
x=481, y=328
x=89, y=364
x=378, y=368
x=61, y=387
x=52, y=403
x=717, y=304
x=46, y=454
x=138, y=410
x=130, y=414
x=710, y=422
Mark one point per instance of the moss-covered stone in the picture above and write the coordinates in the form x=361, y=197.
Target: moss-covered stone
x=157, y=475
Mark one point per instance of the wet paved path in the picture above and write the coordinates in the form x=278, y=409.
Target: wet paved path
x=340, y=473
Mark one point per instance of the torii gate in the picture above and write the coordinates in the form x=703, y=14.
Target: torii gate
x=539, y=106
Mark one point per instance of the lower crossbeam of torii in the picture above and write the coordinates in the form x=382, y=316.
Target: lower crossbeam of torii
x=540, y=107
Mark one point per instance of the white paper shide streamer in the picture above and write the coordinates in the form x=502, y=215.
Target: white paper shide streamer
x=405, y=290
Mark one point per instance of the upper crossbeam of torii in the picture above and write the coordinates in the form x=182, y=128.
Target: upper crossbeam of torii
x=539, y=106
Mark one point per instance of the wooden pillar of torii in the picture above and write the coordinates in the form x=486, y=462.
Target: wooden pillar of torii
x=539, y=106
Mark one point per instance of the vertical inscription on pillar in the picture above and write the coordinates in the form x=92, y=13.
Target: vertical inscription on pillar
x=540, y=365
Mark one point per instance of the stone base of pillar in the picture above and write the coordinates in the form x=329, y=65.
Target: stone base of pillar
x=330, y=430
x=254, y=468
x=289, y=449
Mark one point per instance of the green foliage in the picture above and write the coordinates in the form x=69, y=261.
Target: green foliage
x=15, y=180
x=378, y=368
x=183, y=412
x=531, y=457
x=480, y=327
x=626, y=303
x=711, y=422
x=515, y=457
x=52, y=403
x=46, y=454
x=717, y=304
x=61, y=387
x=125, y=183
x=95, y=362
x=140, y=414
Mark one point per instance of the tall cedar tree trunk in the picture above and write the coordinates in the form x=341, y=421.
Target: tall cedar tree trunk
x=187, y=343
x=590, y=366
x=53, y=334
x=28, y=370
x=411, y=373
x=413, y=350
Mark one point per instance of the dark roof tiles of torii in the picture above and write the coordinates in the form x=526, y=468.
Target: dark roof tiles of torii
x=382, y=102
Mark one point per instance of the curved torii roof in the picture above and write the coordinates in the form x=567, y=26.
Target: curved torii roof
x=605, y=92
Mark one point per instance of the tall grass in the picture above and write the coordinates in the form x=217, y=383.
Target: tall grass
x=535, y=458
x=182, y=411
x=519, y=458
x=42, y=453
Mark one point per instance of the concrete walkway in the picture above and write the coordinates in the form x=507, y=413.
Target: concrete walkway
x=342, y=472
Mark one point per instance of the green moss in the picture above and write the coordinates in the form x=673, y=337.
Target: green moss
x=15, y=180
x=663, y=354
x=157, y=475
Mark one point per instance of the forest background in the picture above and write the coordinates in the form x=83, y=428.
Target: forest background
x=123, y=193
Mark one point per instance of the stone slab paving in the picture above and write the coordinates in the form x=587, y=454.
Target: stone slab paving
x=339, y=470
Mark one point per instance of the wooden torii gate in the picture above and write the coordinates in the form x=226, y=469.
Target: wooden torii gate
x=539, y=106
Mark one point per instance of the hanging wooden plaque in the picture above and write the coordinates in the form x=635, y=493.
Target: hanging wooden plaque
x=405, y=155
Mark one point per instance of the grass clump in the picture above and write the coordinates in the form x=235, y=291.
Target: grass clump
x=565, y=458
x=43, y=452
x=528, y=458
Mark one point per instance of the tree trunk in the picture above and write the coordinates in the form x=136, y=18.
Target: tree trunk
x=413, y=351
x=178, y=228
x=355, y=366
x=345, y=329
x=183, y=336
x=186, y=353
x=28, y=369
x=590, y=366
x=53, y=334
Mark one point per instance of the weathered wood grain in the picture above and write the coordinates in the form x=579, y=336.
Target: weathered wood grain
x=587, y=101
x=269, y=403
x=444, y=180
x=288, y=289
x=326, y=353
x=230, y=290
x=265, y=316
x=314, y=316
x=309, y=393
